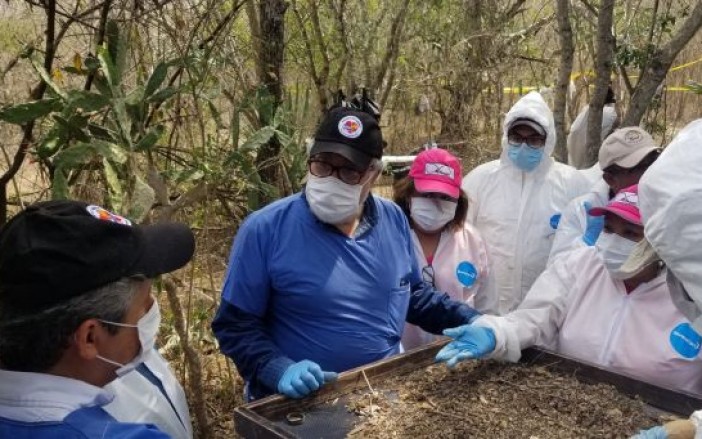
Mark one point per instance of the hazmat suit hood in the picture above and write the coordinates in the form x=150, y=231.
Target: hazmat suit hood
x=532, y=106
x=517, y=212
x=670, y=200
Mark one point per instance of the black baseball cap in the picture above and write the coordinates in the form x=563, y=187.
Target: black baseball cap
x=528, y=122
x=355, y=135
x=56, y=250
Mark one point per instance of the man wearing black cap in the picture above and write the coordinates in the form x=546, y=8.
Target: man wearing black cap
x=76, y=312
x=323, y=281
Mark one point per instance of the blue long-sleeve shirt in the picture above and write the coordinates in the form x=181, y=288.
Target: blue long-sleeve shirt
x=297, y=289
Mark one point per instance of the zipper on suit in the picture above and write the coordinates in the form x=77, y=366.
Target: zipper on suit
x=615, y=329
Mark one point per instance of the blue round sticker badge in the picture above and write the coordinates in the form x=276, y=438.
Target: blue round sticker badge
x=466, y=274
x=685, y=340
x=555, y=219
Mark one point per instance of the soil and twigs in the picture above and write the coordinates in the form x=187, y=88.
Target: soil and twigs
x=495, y=400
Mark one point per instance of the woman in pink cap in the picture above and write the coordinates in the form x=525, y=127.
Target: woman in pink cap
x=450, y=252
x=585, y=306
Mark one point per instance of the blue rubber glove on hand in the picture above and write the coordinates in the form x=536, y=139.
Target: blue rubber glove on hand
x=302, y=378
x=468, y=342
x=652, y=433
x=593, y=227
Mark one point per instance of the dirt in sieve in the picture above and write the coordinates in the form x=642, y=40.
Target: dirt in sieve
x=496, y=400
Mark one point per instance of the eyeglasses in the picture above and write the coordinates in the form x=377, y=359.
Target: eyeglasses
x=515, y=139
x=347, y=174
x=428, y=275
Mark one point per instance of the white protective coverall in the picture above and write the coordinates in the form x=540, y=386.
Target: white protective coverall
x=517, y=212
x=139, y=400
x=576, y=308
x=593, y=174
x=577, y=137
x=571, y=228
x=460, y=266
x=670, y=200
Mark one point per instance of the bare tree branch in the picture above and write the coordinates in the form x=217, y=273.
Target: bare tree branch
x=603, y=70
x=308, y=45
x=658, y=66
x=104, y=13
x=319, y=35
x=565, y=33
x=393, y=46
x=36, y=94
x=513, y=10
x=590, y=8
x=192, y=358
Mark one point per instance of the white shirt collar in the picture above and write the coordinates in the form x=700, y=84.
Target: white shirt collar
x=36, y=397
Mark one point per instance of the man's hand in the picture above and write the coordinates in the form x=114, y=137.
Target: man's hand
x=593, y=227
x=468, y=342
x=303, y=378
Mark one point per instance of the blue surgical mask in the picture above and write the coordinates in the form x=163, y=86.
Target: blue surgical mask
x=525, y=157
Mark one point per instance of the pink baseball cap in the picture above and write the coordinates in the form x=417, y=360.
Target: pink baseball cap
x=625, y=205
x=437, y=170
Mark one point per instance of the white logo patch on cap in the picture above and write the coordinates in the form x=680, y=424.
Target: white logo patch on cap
x=350, y=126
x=439, y=169
x=627, y=198
x=633, y=136
x=105, y=215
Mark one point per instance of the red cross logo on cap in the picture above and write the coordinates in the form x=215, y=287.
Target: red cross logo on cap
x=105, y=215
x=350, y=126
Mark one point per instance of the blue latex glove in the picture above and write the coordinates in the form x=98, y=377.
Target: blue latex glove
x=652, y=433
x=593, y=227
x=302, y=378
x=468, y=342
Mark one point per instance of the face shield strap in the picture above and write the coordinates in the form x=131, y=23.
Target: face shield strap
x=684, y=302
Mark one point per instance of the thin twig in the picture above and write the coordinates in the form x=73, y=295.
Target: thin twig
x=363, y=372
x=192, y=358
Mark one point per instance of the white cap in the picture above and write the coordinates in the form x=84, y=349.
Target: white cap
x=626, y=147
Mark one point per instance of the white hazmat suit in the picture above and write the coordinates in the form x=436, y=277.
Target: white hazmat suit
x=138, y=399
x=569, y=235
x=671, y=209
x=670, y=200
x=517, y=212
x=577, y=137
x=578, y=309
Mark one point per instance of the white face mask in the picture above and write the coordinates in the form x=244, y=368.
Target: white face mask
x=432, y=214
x=331, y=200
x=147, y=326
x=615, y=250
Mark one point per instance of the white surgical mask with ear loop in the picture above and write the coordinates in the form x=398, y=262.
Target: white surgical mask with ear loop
x=615, y=250
x=331, y=200
x=147, y=326
x=432, y=214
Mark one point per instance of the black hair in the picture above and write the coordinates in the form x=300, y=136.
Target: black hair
x=610, y=99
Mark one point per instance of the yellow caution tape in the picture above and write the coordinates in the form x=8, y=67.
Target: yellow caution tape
x=686, y=65
x=591, y=73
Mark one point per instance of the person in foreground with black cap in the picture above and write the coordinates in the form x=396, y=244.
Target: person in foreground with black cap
x=516, y=201
x=324, y=280
x=76, y=313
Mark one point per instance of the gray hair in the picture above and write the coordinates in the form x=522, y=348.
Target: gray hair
x=35, y=341
x=377, y=164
